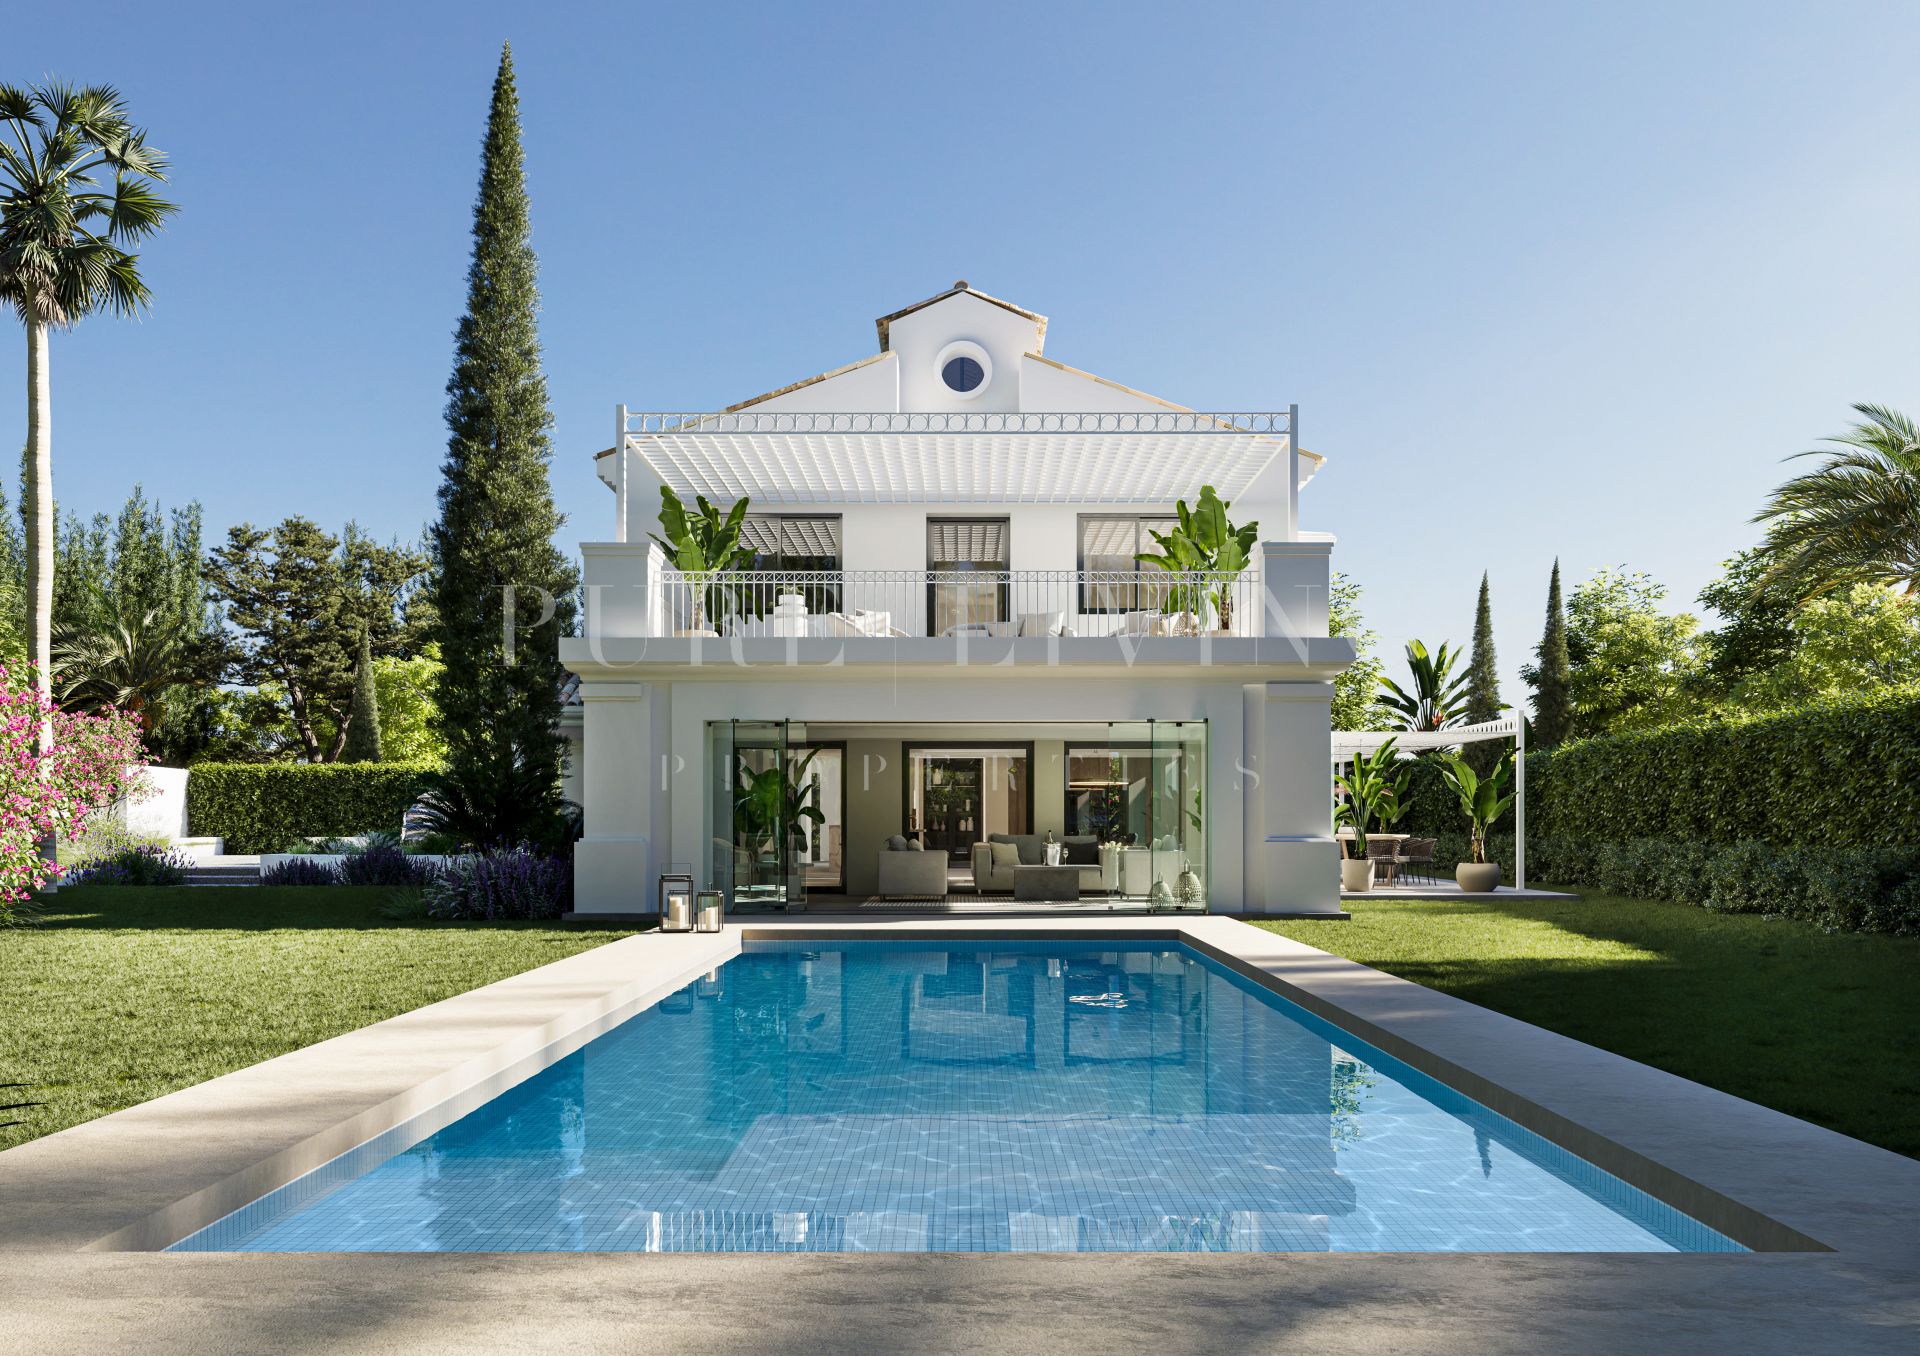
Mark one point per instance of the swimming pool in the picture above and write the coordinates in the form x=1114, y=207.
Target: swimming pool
x=976, y=1096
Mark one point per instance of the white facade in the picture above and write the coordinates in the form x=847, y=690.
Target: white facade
x=960, y=439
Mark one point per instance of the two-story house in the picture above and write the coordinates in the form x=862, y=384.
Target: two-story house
x=941, y=674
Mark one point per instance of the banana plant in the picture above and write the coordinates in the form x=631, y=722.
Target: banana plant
x=701, y=545
x=1207, y=544
x=1437, y=699
x=1376, y=788
x=1481, y=798
x=770, y=805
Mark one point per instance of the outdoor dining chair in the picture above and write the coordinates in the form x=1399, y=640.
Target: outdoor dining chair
x=1385, y=852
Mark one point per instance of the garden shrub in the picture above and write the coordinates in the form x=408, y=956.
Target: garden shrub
x=383, y=863
x=506, y=883
x=138, y=864
x=300, y=871
x=267, y=807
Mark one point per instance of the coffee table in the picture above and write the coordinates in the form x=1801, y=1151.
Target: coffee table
x=1046, y=882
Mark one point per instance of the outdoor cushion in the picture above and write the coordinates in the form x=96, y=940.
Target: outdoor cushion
x=1082, y=852
x=1005, y=855
x=1042, y=623
x=897, y=843
x=915, y=845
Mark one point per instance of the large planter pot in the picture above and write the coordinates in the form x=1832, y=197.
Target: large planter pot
x=1356, y=874
x=1477, y=878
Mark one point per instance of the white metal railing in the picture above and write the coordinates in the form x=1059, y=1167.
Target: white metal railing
x=983, y=603
x=640, y=423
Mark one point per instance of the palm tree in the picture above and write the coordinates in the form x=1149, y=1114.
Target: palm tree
x=1855, y=519
x=1438, y=698
x=64, y=238
x=130, y=665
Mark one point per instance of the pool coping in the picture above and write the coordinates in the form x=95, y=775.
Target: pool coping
x=127, y=1180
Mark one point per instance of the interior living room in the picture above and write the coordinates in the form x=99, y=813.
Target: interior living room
x=1103, y=815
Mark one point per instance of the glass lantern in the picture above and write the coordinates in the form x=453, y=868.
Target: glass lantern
x=676, y=900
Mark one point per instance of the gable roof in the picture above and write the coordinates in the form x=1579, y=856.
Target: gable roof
x=885, y=322
x=803, y=382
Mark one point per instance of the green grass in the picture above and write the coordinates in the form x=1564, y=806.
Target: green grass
x=120, y=995
x=1821, y=1026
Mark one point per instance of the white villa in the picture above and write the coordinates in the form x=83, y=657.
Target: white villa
x=945, y=646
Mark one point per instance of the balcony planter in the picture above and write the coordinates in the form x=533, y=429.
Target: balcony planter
x=1356, y=874
x=1477, y=878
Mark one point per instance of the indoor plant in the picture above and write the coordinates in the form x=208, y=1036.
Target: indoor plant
x=1483, y=801
x=1374, y=789
x=701, y=544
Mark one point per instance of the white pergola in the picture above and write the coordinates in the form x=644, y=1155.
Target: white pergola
x=891, y=457
x=1349, y=743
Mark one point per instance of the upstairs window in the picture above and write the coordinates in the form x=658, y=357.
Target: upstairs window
x=1112, y=582
x=786, y=541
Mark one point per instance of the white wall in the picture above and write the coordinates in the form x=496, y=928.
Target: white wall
x=158, y=806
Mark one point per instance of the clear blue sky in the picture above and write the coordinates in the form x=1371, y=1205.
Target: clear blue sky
x=1544, y=279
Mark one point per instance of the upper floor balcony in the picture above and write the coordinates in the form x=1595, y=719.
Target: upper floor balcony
x=632, y=593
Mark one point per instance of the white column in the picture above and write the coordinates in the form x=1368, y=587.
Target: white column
x=620, y=472
x=1519, y=799
x=620, y=579
x=1293, y=473
x=613, y=866
x=1296, y=576
x=1299, y=868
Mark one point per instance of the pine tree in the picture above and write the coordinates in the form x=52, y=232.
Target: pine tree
x=363, y=716
x=502, y=594
x=1552, y=679
x=1483, y=684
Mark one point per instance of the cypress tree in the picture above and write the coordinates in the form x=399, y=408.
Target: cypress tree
x=502, y=593
x=1483, y=683
x=1553, y=677
x=363, y=716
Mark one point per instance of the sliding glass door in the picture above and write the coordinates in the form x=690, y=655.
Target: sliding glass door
x=1144, y=788
x=765, y=813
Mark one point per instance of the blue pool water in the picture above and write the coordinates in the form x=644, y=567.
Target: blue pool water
x=979, y=1097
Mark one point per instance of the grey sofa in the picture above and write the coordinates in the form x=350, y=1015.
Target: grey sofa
x=1102, y=874
x=910, y=870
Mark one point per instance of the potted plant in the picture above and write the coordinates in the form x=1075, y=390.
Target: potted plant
x=1209, y=553
x=772, y=808
x=1483, y=802
x=1374, y=789
x=702, y=544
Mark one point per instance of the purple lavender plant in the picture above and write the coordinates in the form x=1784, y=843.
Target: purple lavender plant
x=503, y=883
x=300, y=871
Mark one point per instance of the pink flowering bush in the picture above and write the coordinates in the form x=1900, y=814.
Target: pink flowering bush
x=85, y=772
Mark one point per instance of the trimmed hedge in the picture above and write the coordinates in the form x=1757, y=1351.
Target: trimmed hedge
x=1840, y=774
x=269, y=807
x=1840, y=888
x=1811, y=814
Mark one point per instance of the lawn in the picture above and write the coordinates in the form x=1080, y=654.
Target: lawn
x=120, y=994
x=1821, y=1026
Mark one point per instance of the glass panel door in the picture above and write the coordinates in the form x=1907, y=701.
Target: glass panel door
x=766, y=799
x=1179, y=807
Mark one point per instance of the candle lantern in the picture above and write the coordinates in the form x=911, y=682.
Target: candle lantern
x=708, y=907
x=676, y=900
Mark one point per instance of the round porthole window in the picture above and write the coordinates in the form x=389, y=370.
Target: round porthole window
x=964, y=368
x=963, y=374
